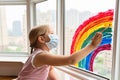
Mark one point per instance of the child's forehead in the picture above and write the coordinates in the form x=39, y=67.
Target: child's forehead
x=50, y=30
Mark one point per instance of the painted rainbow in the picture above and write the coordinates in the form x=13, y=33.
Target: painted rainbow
x=84, y=33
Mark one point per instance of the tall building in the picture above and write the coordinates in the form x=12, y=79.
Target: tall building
x=3, y=29
x=17, y=28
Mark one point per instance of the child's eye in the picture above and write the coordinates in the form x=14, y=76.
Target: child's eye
x=52, y=33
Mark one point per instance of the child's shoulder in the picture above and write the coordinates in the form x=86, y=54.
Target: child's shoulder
x=42, y=55
x=41, y=52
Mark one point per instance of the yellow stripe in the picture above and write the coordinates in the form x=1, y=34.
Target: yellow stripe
x=81, y=39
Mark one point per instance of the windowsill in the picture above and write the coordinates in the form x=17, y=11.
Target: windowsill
x=13, y=57
x=79, y=73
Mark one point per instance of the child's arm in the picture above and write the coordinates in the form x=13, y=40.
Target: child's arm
x=50, y=59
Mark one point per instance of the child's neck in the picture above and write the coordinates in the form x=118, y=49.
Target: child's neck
x=43, y=47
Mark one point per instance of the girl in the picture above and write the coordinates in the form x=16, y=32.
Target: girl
x=39, y=64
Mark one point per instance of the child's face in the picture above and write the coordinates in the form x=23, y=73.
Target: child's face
x=52, y=39
x=46, y=37
x=50, y=31
x=49, y=39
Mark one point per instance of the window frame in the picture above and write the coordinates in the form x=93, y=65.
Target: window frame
x=12, y=2
x=116, y=42
x=37, y=1
x=31, y=22
x=26, y=25
x=80, y=73
x=28, y=18
x=30, y=11
x=116, y=57
x=60, y=24
x=8, y=56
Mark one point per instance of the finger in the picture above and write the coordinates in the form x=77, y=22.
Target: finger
x=99, y=34
x=96, y=35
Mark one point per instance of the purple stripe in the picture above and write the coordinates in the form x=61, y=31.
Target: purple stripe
x=100, y=48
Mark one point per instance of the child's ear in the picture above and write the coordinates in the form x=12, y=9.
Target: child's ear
x=41, y=39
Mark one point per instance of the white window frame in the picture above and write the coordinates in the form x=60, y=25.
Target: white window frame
x=30, y=6
x=31, y=14
x=60, y=24
x=31, y=21
x=12, y=2
x=80, y=73
x=38, y=1
x=15, y=2
x=116, y=46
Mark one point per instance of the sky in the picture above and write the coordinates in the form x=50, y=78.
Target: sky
x=14, y=13
x=80, y=5
x=90, y=5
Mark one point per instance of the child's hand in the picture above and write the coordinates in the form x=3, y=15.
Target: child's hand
x=96, y=40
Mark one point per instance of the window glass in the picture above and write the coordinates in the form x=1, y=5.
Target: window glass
x=13, y=29
x=83, y=18
x=46, y=13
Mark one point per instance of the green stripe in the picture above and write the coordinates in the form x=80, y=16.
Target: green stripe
x=88, y=41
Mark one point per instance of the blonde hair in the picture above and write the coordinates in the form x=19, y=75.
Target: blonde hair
x=35, y=33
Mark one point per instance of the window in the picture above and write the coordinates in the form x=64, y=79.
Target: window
x=13, y=28
x=83, y=19
x=46, y=13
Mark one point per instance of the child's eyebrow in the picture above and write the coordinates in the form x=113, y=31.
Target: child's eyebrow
x=52, y=32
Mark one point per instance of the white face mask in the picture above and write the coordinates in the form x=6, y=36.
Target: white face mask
x=53, y=41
